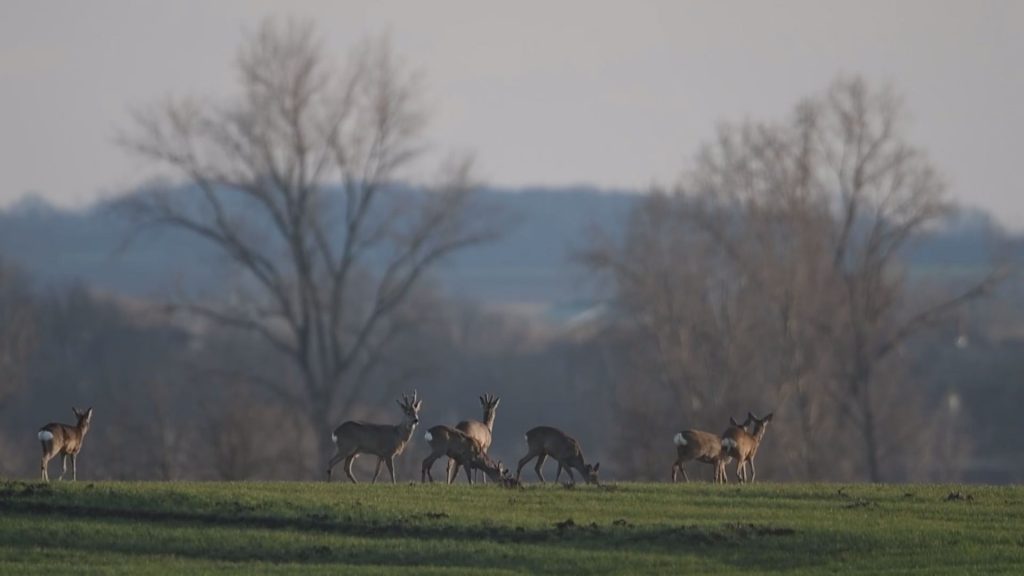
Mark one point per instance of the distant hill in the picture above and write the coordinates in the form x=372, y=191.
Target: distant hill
x=530, y=266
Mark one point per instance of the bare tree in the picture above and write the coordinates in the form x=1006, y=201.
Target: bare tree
x=773, y=274
x=295, y=182
x=887, y=193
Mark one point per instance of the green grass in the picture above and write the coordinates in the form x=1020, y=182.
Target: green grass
x=279, y=528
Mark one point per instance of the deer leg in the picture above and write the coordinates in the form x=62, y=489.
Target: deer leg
x=454, y=472
x=390, y=468
x=558, y=474
x=572, y=479
x=377, y=471
x=332, y=463
x=526, y=459
x=63, y=466
x=753, y=471
x=42, y=469
x=540, y=463
x=74, y=467
x=428, y=463
x=448, y=470
x=348, y=468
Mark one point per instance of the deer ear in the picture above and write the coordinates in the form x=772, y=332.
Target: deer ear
x=76, y=412
x=495, y=403
x=597, y=467
x=734, y=422
x=417, y=405
x=769, y=417
x=88, y=413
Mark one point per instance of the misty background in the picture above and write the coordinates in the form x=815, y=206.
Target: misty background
x=733, y=264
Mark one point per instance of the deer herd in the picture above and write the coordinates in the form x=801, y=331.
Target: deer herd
x=466, y=444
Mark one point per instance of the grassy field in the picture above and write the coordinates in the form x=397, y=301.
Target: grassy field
x=277, y=528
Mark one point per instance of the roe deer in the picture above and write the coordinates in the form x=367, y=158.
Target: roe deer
x=479, y=431
x=383, y=441
x=66, y=441
x=461, y=449
x=742, y=445
x=544, y=441
x=702, y=447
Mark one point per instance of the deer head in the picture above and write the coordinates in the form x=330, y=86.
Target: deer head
x=760, y=424
x=490, y=404
x=84, y=417
x=591, y=473
x=411, y=407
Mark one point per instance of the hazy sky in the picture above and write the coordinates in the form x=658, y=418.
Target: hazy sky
x=617, y=94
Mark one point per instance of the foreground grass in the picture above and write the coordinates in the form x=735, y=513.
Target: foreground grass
x=272, y=528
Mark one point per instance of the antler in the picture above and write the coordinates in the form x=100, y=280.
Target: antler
x=408, y=401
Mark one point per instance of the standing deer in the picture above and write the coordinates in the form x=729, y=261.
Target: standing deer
x=66, y=441
x=479, y=431
x=544, y=441
x=702, y=447
x=742, y=445
x=461, y=449
x=383, y=441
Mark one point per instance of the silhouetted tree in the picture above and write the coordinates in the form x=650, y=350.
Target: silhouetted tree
x=295, y=185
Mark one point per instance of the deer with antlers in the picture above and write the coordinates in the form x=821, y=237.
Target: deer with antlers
x=544, y=441
x=381, y=440
x=478, y=431
x=462, y=449
x=66, y=441
x=742, y=445
x=703, y=447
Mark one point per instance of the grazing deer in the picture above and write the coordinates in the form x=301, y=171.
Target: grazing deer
x=479, y=431
x=383, y=441
x=66, y=441
x=702, y=447
x=545, y=441
x=742, y=445
x=461, y=449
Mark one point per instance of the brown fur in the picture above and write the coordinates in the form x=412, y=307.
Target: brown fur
x=461, y=449
x=478, y=431
x=383, y=441
x=703, y=447
x=743, y=445
x=544, y=441
x=67, y=441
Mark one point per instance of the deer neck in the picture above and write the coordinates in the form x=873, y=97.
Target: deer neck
x=405, y=430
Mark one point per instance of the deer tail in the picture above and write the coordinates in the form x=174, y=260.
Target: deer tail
x=45, y=436
x=679, y=439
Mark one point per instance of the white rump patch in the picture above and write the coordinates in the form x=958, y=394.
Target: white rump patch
x=679, y=440
x=728, y=443
x=428, y=436
x=45, y=435
x=334, y=437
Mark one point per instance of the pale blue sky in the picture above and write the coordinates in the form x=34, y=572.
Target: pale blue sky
x=617, y=94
